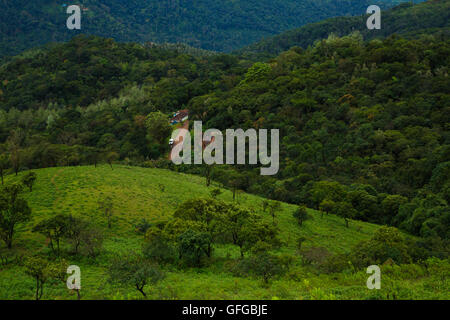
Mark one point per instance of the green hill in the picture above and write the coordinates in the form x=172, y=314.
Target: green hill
x=209, y=24
x=138, y=193
x=430, y=17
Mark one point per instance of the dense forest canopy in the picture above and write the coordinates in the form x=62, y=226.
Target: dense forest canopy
x=220, y=25
x=365, y=122
x=364, y=175
x=431, y=17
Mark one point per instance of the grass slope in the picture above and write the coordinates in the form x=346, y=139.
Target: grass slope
x=137, y=194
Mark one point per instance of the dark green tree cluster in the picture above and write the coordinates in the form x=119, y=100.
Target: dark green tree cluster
x=208, y=24
x=407, y=19
x=199, y=224
x=82, y=236
x=363, y=129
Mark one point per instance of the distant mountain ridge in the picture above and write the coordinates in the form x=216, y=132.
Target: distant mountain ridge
x=220, y=25
x=430, y=17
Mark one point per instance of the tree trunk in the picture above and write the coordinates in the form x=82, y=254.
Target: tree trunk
x=42, y=291
x=37, y=288
x=141, y=290
x=9, y=238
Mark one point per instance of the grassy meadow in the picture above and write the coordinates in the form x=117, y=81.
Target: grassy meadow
x=154, y=194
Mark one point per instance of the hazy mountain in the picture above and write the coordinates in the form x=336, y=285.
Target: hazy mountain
x=221, y=25
x=431, y=17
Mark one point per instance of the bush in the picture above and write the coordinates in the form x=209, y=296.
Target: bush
x=386, y=243
x=315, y=255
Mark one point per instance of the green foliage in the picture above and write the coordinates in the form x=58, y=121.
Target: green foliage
x=13, y=211
x=216, y=192
x=301, y=215
x=29, y=179
x=158, y=126
x=54, y=229
x=76, y=190
x=131, y=270
x=158, y=247
x=387, y=243
x=213, y=25
x=42, y=271
x=406, y=19
x=264, y=265
x=257, y=72
x=193, y=246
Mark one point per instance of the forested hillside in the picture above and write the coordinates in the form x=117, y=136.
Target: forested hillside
x=430, y=17
x=220, y=25
x=364, y=175
x=193, y=243
x=364, y=126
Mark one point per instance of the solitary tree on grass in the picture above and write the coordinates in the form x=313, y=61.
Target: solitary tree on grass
x=274, y=207
x=42, y=270
x=135, y=271
x=301, y=215
x=54, y=229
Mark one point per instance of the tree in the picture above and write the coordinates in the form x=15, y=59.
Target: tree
x=74, y=232
x=208, y=174
x=274, y=207
x=322, y=190
x=92, y=155
x=157, y=247
x=158, y=126
x=106, y=205
x=133, y=270
x=42, y=270
x=54, y=228
x=13, y=210
x=37, y=268
x=215, y=193
x=91, y=241
x=14, y=143
x=265, y=205
x=246, y=229
x=390, y=206
x=386, y=243
x=29, y=179
x=4, y=164
x=327, y=206
x=84, y=237
x=345, y=210
x=111, y=157
x=193, y=245
x=264, y=265
x=202, y=215
x=301, y=215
